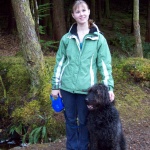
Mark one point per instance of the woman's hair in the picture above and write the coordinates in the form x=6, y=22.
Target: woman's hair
x=75, y=6
x=77, y=3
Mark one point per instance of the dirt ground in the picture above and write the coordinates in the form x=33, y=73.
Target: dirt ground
x=137, y=133
x=137, y=138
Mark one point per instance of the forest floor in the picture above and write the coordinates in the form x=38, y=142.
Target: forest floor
x=137, y=133
x=137, y=137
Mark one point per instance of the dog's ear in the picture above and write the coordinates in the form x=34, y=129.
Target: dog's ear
x=89, y=89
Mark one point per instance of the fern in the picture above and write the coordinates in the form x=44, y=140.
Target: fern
x=46, y=45
x=43, y=9
x=20, y=129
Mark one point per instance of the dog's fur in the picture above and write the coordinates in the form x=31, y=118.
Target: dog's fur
x=104, y=124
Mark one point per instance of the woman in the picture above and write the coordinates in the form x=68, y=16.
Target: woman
x=82, y=51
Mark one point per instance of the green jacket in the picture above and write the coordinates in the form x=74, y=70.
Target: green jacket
x=76, y=68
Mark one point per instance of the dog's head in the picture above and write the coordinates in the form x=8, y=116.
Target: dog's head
x=97, y=97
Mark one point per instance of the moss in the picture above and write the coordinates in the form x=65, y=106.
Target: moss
x=130, y=102
x=138, y=68
x=19, y=106
x=16, y=81
x=132, y=68
x=130, y=96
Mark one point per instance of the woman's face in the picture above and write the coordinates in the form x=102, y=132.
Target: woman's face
x=81, y=13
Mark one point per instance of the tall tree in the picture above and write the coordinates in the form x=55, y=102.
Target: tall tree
x=93, y=8
x=147, y=37
x=99, y=8
x=138, y=45
x=107, y=9
x=35, y=15
x=47, y=20
x=59, y=23
x=132, y=27
x=11, y=21
x=29, y=42
x=69, y=19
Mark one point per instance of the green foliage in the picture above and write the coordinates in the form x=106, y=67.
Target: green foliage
x=3, y=87
x=42, y=30
x=124, y=41
x=47, y=45
x=22, y=110
x=15, y=83
x=28, y=113
x=131, y=100
x=146, y=50
x=34, y=135
x=118, y=74
x=40, y=133
x=130, y=97
x=43, y=9
x=138, y=68
x=20, y=129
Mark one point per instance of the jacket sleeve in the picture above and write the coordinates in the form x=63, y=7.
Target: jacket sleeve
x=104, y=63
x=60, y=57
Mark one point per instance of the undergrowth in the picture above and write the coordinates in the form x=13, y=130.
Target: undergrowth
x=34, y=119
x=22, y=111
x=131, y=98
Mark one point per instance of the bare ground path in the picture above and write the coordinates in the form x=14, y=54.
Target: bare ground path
x=137, y=136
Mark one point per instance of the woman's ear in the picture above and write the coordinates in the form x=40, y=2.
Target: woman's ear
x=72, y=15
x=89, y=11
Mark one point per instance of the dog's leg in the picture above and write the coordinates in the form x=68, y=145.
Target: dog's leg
x=119, y=145
x=123, y=143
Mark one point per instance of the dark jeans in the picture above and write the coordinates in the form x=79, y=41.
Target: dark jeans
x=76, y=117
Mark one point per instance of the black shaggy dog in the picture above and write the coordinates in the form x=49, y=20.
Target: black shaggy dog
x=103, y=121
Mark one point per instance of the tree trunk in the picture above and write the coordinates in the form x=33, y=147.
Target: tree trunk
x=59, y=24
x=29, y=42
x=147, y=37
x=68, y=12
x=93, y=10
x=132, y=27
x=36, y=18
x=138, y=45
x=107, y=9
x=35, y=15
x=47, y=20
x=11, y=21
x=99, y=8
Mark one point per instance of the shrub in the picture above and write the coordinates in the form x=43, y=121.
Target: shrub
x=138, y=68
x=146, y=50
x=18, y=108
x=132, y=69
x=124, y=42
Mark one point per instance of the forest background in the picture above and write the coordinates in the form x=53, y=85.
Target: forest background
x=30, y=31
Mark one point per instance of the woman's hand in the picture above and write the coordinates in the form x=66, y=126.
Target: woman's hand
x=111, y=96
x=55, y=93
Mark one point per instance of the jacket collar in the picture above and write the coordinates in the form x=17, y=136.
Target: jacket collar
x=93, y=29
